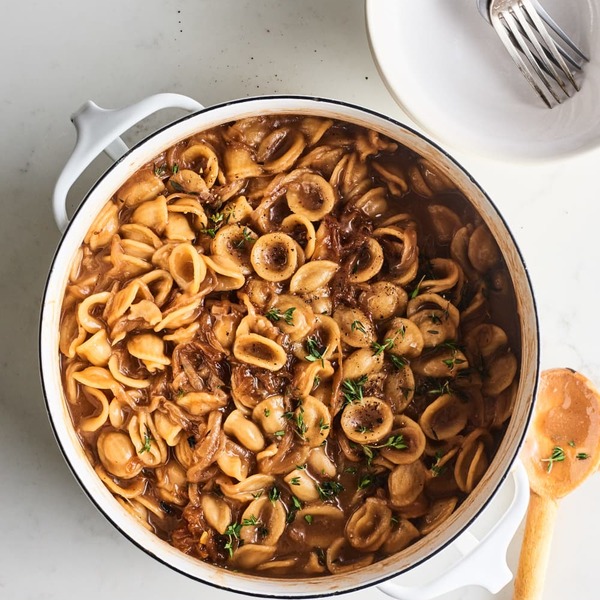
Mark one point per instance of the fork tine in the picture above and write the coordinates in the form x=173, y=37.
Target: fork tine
x=558, y=30
x=514, y=53
x=549, y=42
x=548, y=65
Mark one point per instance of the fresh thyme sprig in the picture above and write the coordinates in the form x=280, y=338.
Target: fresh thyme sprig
x=558, y=455
x=329, y=489
x=274, y=315
x=148, y=439
x=357, y=325
x=352, y=389
x=314, y=351
x=381, y=348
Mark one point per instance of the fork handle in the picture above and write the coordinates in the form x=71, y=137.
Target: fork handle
x=535, y=551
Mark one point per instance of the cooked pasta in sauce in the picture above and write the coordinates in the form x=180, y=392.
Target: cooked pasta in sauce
x=289, y=346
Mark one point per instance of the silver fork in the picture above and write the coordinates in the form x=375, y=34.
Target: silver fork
x=538, y=46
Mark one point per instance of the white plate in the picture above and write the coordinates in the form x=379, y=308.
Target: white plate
x=446, y=67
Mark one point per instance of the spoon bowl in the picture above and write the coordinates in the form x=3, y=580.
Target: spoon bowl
x=561, y=450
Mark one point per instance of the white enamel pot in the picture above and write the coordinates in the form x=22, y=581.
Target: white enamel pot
x=470, y=548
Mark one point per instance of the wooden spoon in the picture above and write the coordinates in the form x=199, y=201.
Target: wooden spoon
x=562, y=448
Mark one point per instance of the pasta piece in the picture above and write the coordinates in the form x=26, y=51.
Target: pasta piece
x=252, y=555
x=152, y=214
x=115, y=370
x=312, y=276
x=86, y=320
x=239, y=163
x=367, y=262
x=340, y=561
x=239, y=209
x=201, y=158
x=308, y=376
x=269, y=414
x=472, y=462
x=94, y=423
x=302, y=485
x=134, y=487
x=404, y=338
x=318, y=525
x=72, y=334
x=274, y=256
x=187, y=181
x=399, y=388
x=259, y=351
x=97, y=378
x=429, y=301
x=149, y=348
x=447, y=361
x=383, y=300
x=401, y=536
x=140, y=233
x=483, y=252
x=367, y=422
x=178, y=228
x=370, y=525
x=234, y=461
x=171, y=483
x=137, y=249
x=190, y=206
x=96, y=349
x=292, y=315
x=169, y=430
x=362, y=362
x=118, y=304
x=235, y=242
x=244, y=430
x=310, y=195
x=118, y=455
x=373, y=202
x=248, y=489
x=313, y=420
x=440, y=510
x=445, y=275
x=151, y=448
x=229, y=274
x=216, y=512
x=444, y=418
x=401, y=251
x=321, y=463
x=279, y=150
x=300, y=228
x=263, y=521
x=355, y=327
x=141, y=187
x=187, y=268
x=105, y=225
x=411, y=436
x=201, y=403
x=405, y=483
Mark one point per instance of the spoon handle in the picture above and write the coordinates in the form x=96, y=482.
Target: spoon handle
x=535, y=550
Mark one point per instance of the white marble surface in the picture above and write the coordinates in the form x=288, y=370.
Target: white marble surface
x=53, y=542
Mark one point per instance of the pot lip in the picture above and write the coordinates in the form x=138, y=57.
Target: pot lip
x=376, y=579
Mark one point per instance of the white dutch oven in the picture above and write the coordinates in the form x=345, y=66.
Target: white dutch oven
x=471, y=546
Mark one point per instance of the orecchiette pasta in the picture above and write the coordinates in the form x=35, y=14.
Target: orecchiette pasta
x=289, y=347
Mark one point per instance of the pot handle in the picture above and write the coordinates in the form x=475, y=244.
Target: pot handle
x=483, y=562
x=99, y=129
